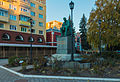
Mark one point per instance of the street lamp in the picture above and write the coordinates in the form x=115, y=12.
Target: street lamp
x=71, y=4
x=99, y=36
x=31, y=24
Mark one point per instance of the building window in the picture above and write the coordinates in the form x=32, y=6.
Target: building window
x=26, y=1
x=33, y=30
x=13, y=27
x=31, y=39
x=40, y=40
x=32, y=5
x=12, y=17
x=19, y=38
x=5, y=37
x=34, y=22
x=78, y=39
x=1, y=25
x=23, y=29
x=12, y=7
x=40, y=32
x=2, y=13
x=25, y=10
x=41, y=24
x=24, y=18
x=21, y=9
x=40, y=16
x=57, y=37
x=1, y=3
x=32, y=13
x=6, y=48
x=40, y=7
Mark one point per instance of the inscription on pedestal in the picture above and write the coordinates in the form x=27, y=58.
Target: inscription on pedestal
x=64, y=45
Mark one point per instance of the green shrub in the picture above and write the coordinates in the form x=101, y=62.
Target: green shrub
x=35, y=66
x=24, y=64
x=56, y=65
x=110, y=54
x=74, y=71
x=12, y=61
x=39, y=62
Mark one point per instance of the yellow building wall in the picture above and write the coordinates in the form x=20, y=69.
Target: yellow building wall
x=53, y=24
x=4, y=4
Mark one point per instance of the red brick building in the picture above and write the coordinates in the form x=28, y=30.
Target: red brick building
x=78, y=41
x=51, y=36
x=13, y=37
x=18, y=44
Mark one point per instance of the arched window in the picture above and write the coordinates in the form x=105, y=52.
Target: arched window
x=5, y=37
x=31, y=39
x=40, y=40
x=19, y=38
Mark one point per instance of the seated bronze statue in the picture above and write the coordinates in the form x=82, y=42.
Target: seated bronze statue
x=66, y=28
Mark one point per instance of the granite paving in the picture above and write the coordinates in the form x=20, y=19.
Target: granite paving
x=6, y=76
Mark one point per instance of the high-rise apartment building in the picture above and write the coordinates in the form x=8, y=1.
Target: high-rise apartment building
x=15, y=15
x=53, y=24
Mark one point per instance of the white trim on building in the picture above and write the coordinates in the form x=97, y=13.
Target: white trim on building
x=25, y=45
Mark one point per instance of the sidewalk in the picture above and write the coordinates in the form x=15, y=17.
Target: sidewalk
x=3, y=61
x=6, y=74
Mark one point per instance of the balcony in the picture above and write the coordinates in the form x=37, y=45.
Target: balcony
x=25, y=4
x=6, y=0
x=13, y=0
x=41, y=1
x=4, y=5
x=23, y=23
x=4, y=19
x=25, y=13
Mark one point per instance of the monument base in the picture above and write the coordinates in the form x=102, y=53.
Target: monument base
x=66, y=57
x=65, y=45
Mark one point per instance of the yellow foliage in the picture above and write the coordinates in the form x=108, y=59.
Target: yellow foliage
x=109, y=12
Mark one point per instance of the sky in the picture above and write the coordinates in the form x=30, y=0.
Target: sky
x=57, y=9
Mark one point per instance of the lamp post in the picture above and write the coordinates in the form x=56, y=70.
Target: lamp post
x=31, y=24
x=71, y=4
x=99, y=36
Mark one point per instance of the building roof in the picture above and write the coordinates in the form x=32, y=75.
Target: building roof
x=54, y=29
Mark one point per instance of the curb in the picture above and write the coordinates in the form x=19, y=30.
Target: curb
x=14, y=72
x=59, y=77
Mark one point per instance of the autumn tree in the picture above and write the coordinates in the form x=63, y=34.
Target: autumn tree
x=109, y=12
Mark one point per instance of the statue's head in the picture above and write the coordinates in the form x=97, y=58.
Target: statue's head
x=64, y=18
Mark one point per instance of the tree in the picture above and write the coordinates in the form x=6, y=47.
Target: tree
x=109, y=12
x=83, y=31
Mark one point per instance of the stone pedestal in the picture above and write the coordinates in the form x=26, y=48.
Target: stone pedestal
x=64, y=45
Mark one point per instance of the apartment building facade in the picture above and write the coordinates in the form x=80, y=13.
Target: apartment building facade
x=15, y=15
x=54, y=23
x=15, y=36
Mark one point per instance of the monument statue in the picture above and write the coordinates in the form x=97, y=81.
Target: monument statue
x=66, y=28
x=65, y=43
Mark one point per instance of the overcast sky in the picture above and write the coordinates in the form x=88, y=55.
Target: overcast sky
x=57, y=9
